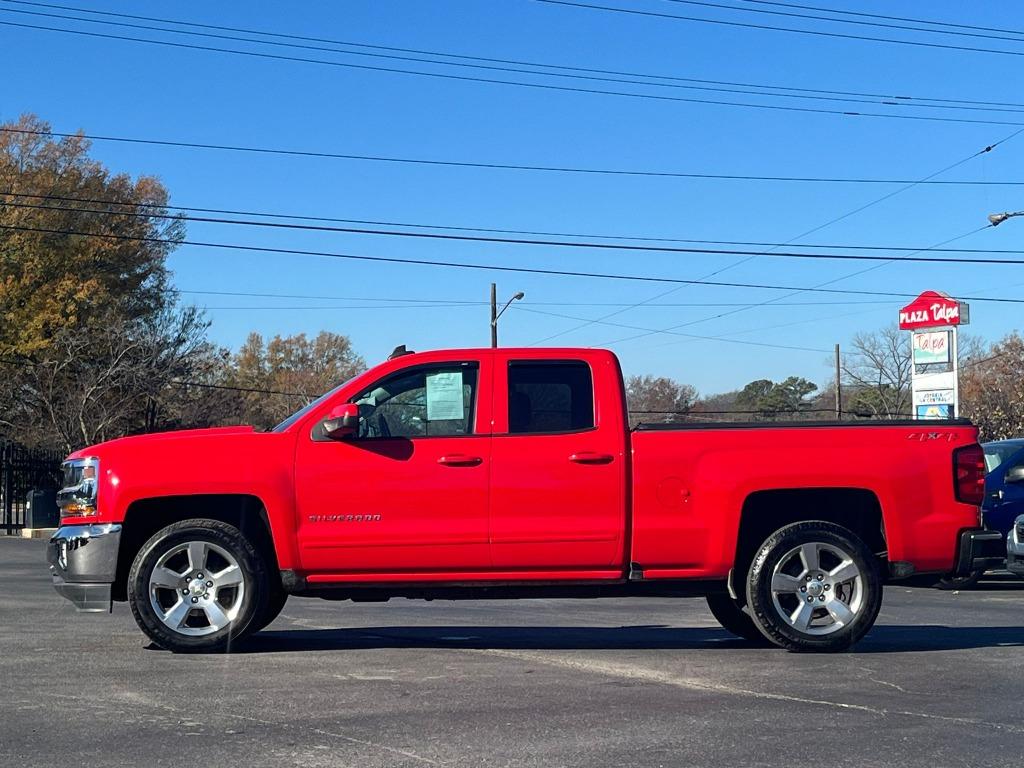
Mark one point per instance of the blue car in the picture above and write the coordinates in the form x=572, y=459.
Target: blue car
x=1004, y=484
x=1004, y=500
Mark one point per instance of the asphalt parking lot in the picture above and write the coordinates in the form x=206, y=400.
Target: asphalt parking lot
x=529, y=683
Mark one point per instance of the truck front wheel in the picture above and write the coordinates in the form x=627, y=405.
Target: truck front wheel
x=198, y=586
x=814, y=586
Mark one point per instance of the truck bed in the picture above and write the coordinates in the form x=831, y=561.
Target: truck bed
x=923, y=424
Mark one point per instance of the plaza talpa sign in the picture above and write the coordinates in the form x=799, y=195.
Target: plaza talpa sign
x=932, y=319
x=933, y=309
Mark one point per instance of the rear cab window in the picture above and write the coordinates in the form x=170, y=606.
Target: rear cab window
x=550, y=396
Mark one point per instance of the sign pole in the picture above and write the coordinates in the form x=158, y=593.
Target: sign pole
x=933, y=319
x=839, y=388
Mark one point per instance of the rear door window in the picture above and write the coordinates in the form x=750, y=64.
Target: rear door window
x=549, y=396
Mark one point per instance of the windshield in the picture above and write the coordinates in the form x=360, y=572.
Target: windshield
x=997, y=453
x=299, y=414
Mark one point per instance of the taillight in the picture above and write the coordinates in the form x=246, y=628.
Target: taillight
x=969, y=474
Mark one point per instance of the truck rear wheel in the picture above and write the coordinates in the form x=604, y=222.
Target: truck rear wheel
x=733, y=618
x=814, y=586
x=197, y=586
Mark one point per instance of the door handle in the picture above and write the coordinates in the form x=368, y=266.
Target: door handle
x=460, y=460
x=589, y=457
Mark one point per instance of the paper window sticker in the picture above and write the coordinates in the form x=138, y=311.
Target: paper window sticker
x=444, y=396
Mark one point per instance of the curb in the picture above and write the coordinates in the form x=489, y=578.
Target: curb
x=37, y=533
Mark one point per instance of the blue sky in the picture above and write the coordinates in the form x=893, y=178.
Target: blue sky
x=124, y=88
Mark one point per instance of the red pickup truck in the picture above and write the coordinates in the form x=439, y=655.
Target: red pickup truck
x=512, y=473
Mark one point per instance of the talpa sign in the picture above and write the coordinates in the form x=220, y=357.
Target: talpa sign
x=933, y=310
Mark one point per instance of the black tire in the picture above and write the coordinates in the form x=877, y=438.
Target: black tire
x=959, y=582
x=734, y=619
x=172, y=549
x=849, y=607
x=275, y=604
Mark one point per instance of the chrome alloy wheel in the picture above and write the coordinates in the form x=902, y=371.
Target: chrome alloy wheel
x=196, y=588
x=817, y=588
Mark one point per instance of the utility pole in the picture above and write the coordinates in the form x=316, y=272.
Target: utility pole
x=494, y=315
x=839, y=387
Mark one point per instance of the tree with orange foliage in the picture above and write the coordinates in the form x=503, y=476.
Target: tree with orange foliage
x=91, y=337
x=992, y=390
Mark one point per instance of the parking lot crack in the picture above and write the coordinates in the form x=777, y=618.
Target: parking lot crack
x=662, y=678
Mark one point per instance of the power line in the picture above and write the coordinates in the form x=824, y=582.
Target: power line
x=349, y=43
x=461, y=302
x=182, y=383
x=254, y=390
x=495, y=64
x=807, y=233
x=494, y=81
x=489, y=166
x=548, y=243
x=687, y=336
x=877, y=24
x=488, y=267
x=445, y=302
x=677, y=333
x=639, y=238
x=795, y=292
x=884, y=16
x=847, y=215
x=263, y=307
x=773, y=28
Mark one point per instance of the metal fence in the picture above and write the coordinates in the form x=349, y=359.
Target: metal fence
x=22, y=470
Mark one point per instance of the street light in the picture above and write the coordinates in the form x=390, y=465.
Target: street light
x=998, y=218
x=495, y=314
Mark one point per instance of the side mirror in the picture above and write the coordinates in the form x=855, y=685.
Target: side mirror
x=342, y=422
x=1015, y=474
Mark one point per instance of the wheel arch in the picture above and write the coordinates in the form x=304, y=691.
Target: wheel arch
x=764, y=512
x=144, y=517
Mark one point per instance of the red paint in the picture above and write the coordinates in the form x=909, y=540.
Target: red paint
x=931, y=310
x=574, y=505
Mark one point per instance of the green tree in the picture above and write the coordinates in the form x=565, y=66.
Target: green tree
x=769, y=398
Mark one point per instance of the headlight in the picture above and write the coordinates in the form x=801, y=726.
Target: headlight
x=81, y=481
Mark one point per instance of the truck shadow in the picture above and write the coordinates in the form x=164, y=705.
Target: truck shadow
x=882, y=639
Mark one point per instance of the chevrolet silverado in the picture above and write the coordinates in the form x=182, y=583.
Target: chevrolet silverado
x=513, y=473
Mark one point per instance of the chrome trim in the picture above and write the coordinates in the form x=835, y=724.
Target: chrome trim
x=78, y=490
x=1015, y=548
x=85, y=553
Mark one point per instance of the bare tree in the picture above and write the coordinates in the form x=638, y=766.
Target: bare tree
x=659, y=398
x=109, y=380
x=879, y=369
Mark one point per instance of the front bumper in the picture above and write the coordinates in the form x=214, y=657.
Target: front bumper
x=979, y=551
x=1015, y=548
x=83, y=564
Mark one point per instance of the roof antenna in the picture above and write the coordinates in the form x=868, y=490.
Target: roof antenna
x=400, y=351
